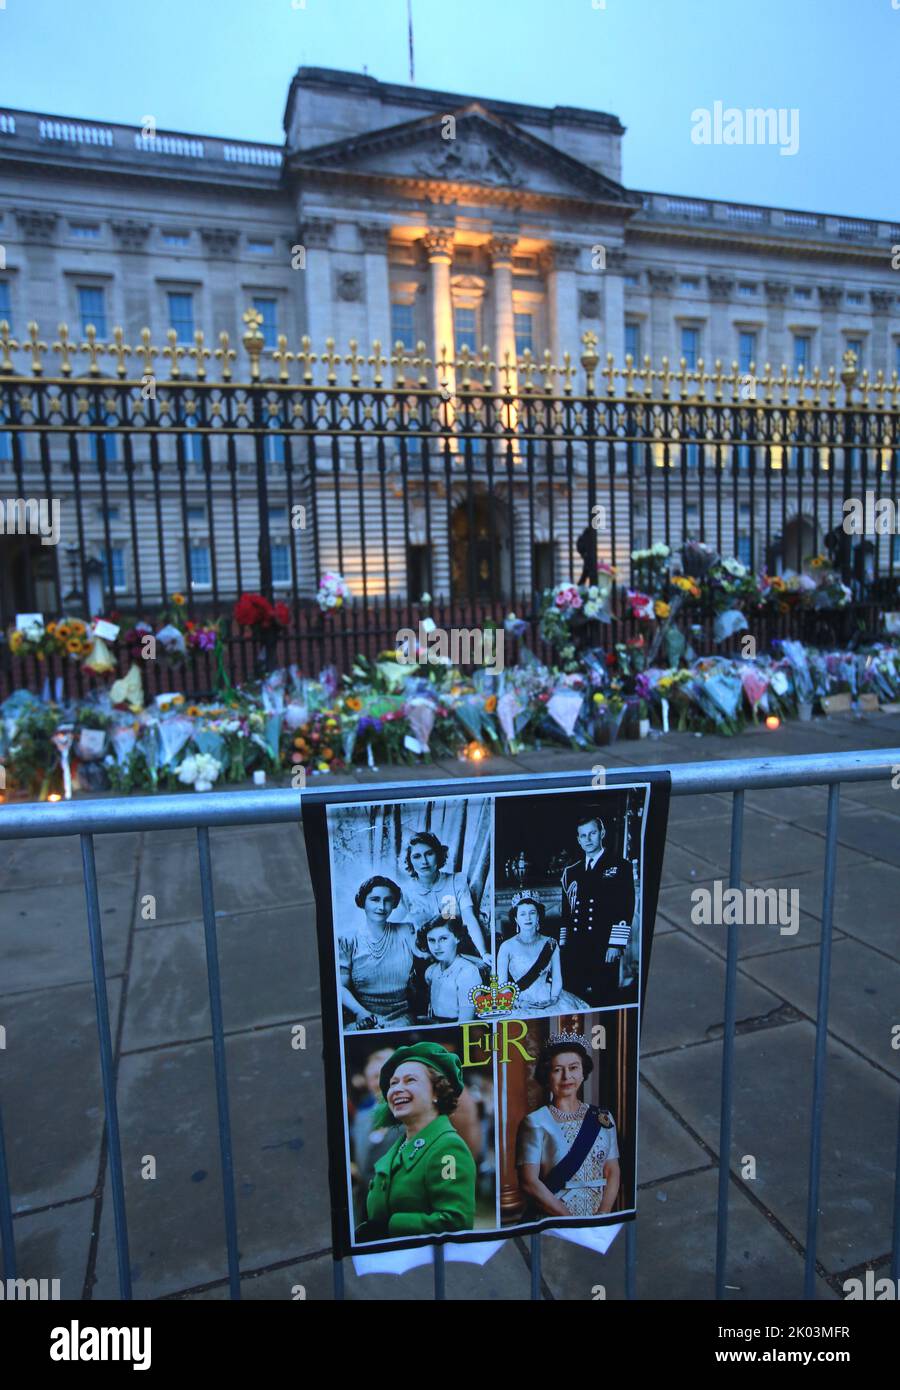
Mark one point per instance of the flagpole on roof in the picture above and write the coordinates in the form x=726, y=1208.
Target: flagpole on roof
x=412, y=60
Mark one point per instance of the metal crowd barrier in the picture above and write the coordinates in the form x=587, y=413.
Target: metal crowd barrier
x=203, y=811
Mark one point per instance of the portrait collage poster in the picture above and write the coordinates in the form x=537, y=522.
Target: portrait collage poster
x=484, y=962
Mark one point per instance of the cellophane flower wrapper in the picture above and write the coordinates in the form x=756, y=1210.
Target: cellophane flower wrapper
x=420, y=712
x=211, y=742
x=718, y=692
x=148, y=746
x=99, y=660
x=175, y=730
x=123, y=738
x=594, y=663
x=795, y=655
x=755, y=684
x=14, y=707
x=727, y=623
x=564, y=706
x=330, y=682
x=90, y=744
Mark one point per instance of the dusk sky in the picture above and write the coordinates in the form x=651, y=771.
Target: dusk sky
x=222, y=67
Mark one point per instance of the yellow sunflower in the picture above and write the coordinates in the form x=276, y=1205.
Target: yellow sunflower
x=178, y=600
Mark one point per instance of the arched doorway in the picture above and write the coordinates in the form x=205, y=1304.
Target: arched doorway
x=479, y=548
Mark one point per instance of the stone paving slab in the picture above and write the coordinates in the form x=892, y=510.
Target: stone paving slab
x=676, y=1252
x=665, y=1148
x=269, y=968
x=863, y=996
x=44, y=934
x=252, y=868
x=167, y=1108
x=675, y=905
x=866, y=902
x=52, y=1098
x=39, y=863
x=771, y=848
x=505, y=1277
x=686, y=994
x=873, y=832
x=686, y=865
x=53, y=1244
x=772, y=1105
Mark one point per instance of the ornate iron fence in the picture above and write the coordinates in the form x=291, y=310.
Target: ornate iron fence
x=476, y=483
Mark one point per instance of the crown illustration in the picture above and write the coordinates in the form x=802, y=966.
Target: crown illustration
x=494, y=998
x=578, y=1038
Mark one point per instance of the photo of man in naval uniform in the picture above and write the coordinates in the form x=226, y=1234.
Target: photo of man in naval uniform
x=598, y=906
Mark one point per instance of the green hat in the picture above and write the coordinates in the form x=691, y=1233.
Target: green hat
x=430, y=1055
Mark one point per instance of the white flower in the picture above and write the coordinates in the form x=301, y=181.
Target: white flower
x=199, y=770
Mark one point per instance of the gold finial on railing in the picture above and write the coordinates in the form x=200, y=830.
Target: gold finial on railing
x=831, y=384
x=879, y=386
x=62, y=346
x=506, y=369
x=443, y=370
x=37, y=347
x=665, y=378
x=717, y=379
x=609, y=371
x=646, y=375
x=816, y=386
x=282, y=356
x=486, y=366
x=146, y=352
x=253, y=340
x=200, y=354
x=398, y=361
x=353, y=360
x=225, y=355
x=589, y=360
x=848, y=373
x=784, y=382
x=377, y=360
x=332, y=360
x=119, y=349
x=548, y=371
x=93, y=350
x=421, y=361
x=701, y=378
x=768, y=382
x=567, y=371
x=528, y=366
x=6, y=342
x=465, y=364
x=174, y=354
x=307, y=357
x=865, y=387
x=629, y=375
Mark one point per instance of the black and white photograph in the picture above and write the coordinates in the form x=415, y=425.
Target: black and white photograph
x=568, y=899
x=411, y=903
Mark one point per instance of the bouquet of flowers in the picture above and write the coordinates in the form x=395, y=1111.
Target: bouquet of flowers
x=334, y=592
x=254, y=610
x=649, y=568
x=200, y=771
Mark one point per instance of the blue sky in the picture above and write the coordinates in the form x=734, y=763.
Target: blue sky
x=222, y=67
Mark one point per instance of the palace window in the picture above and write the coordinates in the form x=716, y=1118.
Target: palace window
x=632, y=281
x=854, y=298
x=114, y=580
x=181, y=315
x=524, y=326
x=803, y=293
x=689, y=282
x=84, y=231
x=269, y=326
x=92, y=309
x=802, y=343
x=633, y=340
x=690, y=346
x=402, y=330
x=746, y=350
x=260, y=248
x=176, y=239
x=5, y=303
x=201, y=565
x=465, y=329
x=747, y=290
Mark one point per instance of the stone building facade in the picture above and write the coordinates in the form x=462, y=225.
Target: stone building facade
x=397, y=214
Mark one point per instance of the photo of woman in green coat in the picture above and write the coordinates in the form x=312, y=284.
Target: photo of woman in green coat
x=425, y=1184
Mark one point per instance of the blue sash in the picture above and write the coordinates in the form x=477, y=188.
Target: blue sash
x=584, y=1141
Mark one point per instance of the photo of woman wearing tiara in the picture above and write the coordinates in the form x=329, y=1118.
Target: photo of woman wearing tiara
x=432, y=891
x=567, y=1155
x=530, y=960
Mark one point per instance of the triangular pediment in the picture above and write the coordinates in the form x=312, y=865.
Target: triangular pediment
x=471, y=146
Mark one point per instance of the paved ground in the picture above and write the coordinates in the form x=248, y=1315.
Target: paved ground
x=53, y=1112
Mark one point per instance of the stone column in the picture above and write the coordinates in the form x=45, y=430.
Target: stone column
x=559, y=263
x=720, y=345
x=613, y=335
x=776, y=347
x=881, y=342
x=501, y=252
x=661, y=282
x=438, y=243
x=316, y=237
x=830, y=297
x=373, y=237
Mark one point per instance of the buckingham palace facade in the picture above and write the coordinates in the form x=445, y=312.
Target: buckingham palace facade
x=394, y=215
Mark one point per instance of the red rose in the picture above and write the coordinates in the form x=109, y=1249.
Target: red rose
x=281, y=614
x=252, y=610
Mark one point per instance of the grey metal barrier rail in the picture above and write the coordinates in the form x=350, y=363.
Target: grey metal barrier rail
x=216, y=809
